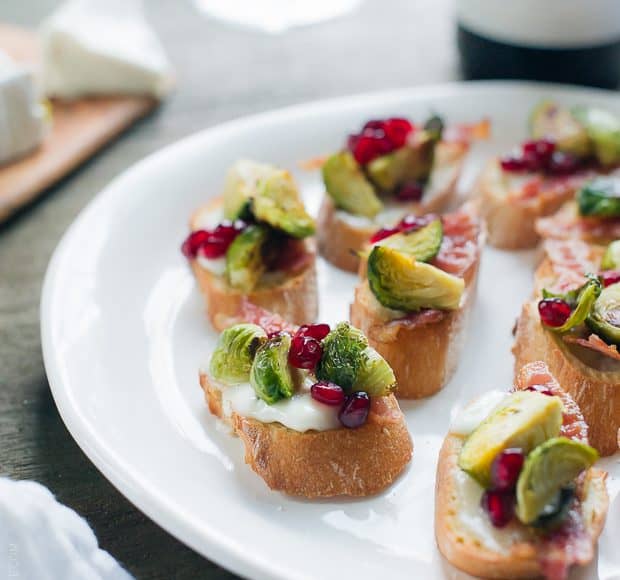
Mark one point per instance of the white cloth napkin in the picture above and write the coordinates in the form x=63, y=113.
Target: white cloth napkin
x=41, y=539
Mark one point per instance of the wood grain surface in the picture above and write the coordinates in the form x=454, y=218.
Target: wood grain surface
x=78, y=130
x=223, y=72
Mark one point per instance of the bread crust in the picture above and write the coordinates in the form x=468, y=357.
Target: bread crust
x=295, y=298
x=340, y=241
x=352, y=462
x=596, y=392
x=467, y=553
x=511, y=222
x=424, y=351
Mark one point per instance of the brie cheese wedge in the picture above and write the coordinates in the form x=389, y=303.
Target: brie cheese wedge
x=90, y=47
x=22, y=124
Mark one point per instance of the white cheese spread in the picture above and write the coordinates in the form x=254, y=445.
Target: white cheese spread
x=468, y=418
x=300, y=413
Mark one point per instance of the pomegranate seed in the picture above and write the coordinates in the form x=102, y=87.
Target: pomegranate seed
x=411, y=191
x=193, y=243
x=305, y=352
x=554, y=311
x=397, y=130
x=499, y=506
x=365, y=149
x=383, y=144
x=532, y=162
x=411, y=223
x=540, y=148
x=373, y=124
x=382, y=234
x=327, y=393
x=316, y=331
x=220, y=239
x=562, y=163
x=505, y=469
x=609, y=277
x=355, y=410
x=540, y=389
x=513, y=163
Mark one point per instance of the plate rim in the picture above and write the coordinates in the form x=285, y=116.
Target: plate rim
x=207, y=542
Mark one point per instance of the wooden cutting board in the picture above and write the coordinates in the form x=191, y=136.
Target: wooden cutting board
x=79, y=129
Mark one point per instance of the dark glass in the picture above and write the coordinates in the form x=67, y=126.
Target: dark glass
x=483, y=58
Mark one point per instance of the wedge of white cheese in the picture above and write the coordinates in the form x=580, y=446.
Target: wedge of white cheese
x=22, y=125
x=95, y=47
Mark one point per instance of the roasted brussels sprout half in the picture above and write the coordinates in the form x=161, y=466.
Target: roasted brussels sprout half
x=549, y=120
x=412, y=162
x=604, y=319
x=524, y=420
x=244, y=260
x=348, y=187
x=348, y=361
x=241, y=183
x=232, y=359
x=279, y=204
x=600, y=197
x=422, y=244
x=603, y=129
x=400, y=282
x=549, y=468
x=270, y=374
x=611, y=257
x=581, y=301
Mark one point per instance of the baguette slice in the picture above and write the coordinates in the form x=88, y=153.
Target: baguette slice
x=314, y=464
x=520, y=557
x=515, y=551
x=511, y=203
x=423, y=347
x=341, y=236
x=292, y=295
x=597, y=392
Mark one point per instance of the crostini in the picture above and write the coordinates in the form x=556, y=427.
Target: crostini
x=313, y=406
x=255, y=242
x=594, y=216
x=517, y=495
x=417, y=286
x=572, y=324
x=566, y=148
x=390, y=169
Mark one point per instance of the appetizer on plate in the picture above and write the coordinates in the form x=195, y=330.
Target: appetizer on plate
x=573, y=324
x=254, y=242
x=313, y=406
x=516, y=493
x=390, y=169
x=566, y=148
x=594, y=216
x=417, y=286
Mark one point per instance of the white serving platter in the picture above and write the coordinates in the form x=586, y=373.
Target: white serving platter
x=124, y=333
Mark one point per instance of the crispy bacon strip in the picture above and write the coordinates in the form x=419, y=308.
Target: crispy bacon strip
x=459, y=248
x=570, y=260
x=594, y=342
x=567, y=223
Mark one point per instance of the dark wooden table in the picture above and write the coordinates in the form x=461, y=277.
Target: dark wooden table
x=223, y=73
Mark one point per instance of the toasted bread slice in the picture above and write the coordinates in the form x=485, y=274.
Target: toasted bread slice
x=423, y=347
x=314, y=464
x=511, y=203
x=596, y=390
x=291, y=294
x=511, y=552
x=341, y=236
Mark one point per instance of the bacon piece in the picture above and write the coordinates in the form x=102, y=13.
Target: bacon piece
x=568, y=545
x=567, y=223
x=467, y=132
x=570, y=261
x=573, y=423
x=594, y=342
x=459, y=248
x=268, y=321
x=291, y=256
